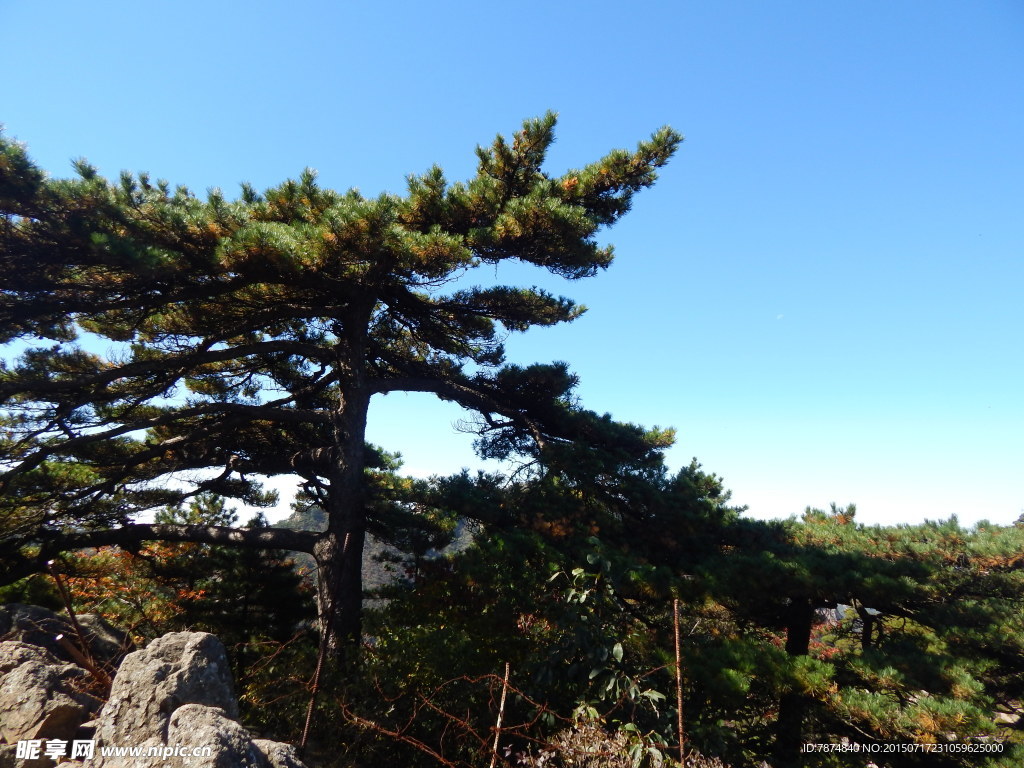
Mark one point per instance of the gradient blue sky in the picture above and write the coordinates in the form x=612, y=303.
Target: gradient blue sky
x=823, y=293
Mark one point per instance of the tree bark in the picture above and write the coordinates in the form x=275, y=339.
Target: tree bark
x=867, y=627
x=793, y=705
x=340, y=589
x=339, y=552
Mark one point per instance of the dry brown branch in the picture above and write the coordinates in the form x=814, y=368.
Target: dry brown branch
x=501, y=713
x=679, y=685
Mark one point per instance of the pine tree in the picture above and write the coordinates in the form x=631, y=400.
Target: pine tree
x=873, y=633
x=250, y=335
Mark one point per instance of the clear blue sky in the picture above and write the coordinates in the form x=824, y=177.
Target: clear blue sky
x=823, y=293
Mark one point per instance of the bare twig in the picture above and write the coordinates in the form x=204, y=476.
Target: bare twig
x=397, y=735
x=84, y=655
x=501, y=713
x=679, y=686
x=325, y=631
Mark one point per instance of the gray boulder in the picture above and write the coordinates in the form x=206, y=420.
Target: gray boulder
x=176, y=669
x=178, y=693
x=173, y=696
x=194, y=725
x=40, y=626
x=107, y=644
x=279, y=755
x=41, y=697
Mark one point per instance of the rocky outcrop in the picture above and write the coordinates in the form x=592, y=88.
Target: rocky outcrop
x=231, y=745
x=41, y=697
x=174, y=696
x=42, y=627
x=176, y=669
x=277, y=754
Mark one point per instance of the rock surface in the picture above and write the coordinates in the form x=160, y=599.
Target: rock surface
x=176, y=669
x=41, y=697
x=41, y=626
x=279, y=755
x=175, y=693
x=232, y=746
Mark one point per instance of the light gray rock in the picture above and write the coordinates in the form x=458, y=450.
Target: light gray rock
x=107, y=644
x=40, y=696
x=33, y=625
x=279, y=755
x=176, y=669
x=175, y=693
x=14, y=653
x=195, y=726
x=40, y=626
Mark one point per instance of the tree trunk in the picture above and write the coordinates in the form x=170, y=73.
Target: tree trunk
x=867, y=625
x=793, y=705
x=339, y=553
x=340, y=588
